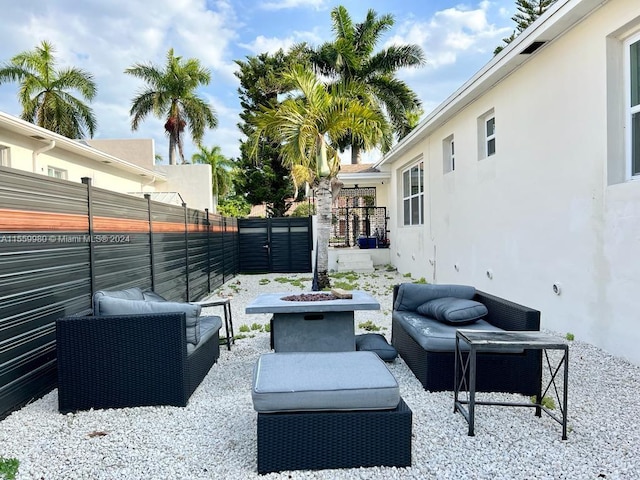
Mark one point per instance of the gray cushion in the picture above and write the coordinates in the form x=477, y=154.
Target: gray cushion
x=435, y=336
x=315, y=381
x=119, y=306
x=209, y=326
x=374, y=342
x=133, y=293
x=455, y=311
x=152, y=296
x=412, y=295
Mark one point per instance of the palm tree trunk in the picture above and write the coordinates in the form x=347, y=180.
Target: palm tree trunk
x=323, y=199
x=356, y=155
x=172, y=150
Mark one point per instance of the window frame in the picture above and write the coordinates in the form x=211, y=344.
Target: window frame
x=631, y=111
x=410, y=197
x=58, y=173
x=5, y=156
x=448, y=154
x=489, y=137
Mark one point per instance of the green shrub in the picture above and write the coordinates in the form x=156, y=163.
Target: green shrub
x=304, y=210
x=547, y=402
x=9, y=468
x=570, y=336
x=264, y=281
x=256, y=326
x=244, y=328
x=369, y=326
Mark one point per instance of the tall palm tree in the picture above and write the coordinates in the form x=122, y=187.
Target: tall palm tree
x=170, y=93
x=350, y=57
x=308, y=125
x=44, y=92
x=221, y=168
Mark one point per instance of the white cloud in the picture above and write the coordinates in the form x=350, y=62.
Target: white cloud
x=287, y=4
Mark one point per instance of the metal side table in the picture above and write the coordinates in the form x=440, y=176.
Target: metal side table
x=508, y=341
x=225, y=303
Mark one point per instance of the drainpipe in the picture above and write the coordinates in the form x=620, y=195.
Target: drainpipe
x=46, y=148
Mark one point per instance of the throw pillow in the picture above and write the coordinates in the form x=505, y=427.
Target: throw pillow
x=454, y=311
x=374, y=342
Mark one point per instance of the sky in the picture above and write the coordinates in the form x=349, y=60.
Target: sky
x=106, y=37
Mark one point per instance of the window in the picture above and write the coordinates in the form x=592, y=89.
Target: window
x=486, y=135
x=632, y=52
x=448, y=155
x=57, y=173
x=5, y=160
x=413, y=194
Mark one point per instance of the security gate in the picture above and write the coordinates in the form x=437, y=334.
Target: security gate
x=275, y=245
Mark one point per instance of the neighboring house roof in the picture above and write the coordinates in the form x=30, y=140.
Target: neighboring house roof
x=77, y=147
x=559, y=18
x=362, y=171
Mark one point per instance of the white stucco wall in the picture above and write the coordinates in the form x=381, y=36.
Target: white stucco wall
x=193, y=183
x=541, y=210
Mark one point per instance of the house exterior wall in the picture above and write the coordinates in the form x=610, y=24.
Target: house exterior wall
x=192, y=181
x=548, y=208
x=102, y=175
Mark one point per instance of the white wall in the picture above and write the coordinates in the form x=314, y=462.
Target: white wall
x=192, y=181
x=540, y=210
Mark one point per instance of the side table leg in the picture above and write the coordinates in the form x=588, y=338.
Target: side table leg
x=472, y=390
x=565, y=395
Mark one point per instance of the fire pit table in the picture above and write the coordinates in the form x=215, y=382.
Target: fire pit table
x=306, y=324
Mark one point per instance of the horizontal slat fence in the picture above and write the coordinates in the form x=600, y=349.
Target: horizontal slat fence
x=60, y=241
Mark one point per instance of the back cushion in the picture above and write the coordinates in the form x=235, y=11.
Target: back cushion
x=133, y=293
x=119, y=306
x=412, y=295
x=453, y=311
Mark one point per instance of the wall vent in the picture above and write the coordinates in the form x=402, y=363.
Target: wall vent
x=532, y=48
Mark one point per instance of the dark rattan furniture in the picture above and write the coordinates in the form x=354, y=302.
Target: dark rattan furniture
x=345, y=439
x=128, y=360
x=512, y=373
x=466, y=371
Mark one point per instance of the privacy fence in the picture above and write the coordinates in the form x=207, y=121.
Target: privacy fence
x=60, y=241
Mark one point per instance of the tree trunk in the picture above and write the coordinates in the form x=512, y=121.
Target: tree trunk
x=172, y=150
x=323, y=204
x=356, y=155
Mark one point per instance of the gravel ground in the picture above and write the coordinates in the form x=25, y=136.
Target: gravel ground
x=215, y=435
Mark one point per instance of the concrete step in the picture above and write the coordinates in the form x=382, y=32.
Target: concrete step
x=355, y=263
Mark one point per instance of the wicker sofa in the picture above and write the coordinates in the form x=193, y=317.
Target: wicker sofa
x=154, y=355
x=427, y=346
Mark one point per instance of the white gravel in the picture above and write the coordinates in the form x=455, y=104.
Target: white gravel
x=215, y=435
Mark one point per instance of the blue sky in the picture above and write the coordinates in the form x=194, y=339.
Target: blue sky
x=106, y=37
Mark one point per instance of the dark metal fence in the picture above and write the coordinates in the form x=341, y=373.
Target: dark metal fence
x=350, y=223
x=60, y=241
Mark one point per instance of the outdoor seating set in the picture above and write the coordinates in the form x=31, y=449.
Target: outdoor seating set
x=134, y=348
x=317, y=407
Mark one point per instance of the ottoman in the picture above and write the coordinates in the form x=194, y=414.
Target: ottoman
x=319, y=410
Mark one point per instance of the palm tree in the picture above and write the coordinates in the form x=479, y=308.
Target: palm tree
x=170, y=94
x=308, y=126
x=221, y=168
x=44, y=92
x=351, y=58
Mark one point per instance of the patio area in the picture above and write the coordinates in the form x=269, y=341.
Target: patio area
x=215, y=435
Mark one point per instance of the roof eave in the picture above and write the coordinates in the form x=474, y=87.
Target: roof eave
x=560, y=17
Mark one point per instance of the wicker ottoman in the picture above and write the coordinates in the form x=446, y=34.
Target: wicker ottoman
x=321, y=410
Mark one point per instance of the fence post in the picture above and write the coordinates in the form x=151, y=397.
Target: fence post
x=151, y=252
x=186, y=249
x=92, y=275
x=206, y=214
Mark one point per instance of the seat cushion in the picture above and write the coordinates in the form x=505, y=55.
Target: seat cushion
x=120, y=306
x=454, y=311
x=209, y=326
x=318, y=381
x=435, y=336
x=374, y=342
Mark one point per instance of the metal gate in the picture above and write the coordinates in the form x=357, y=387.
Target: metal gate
x=275, y=245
